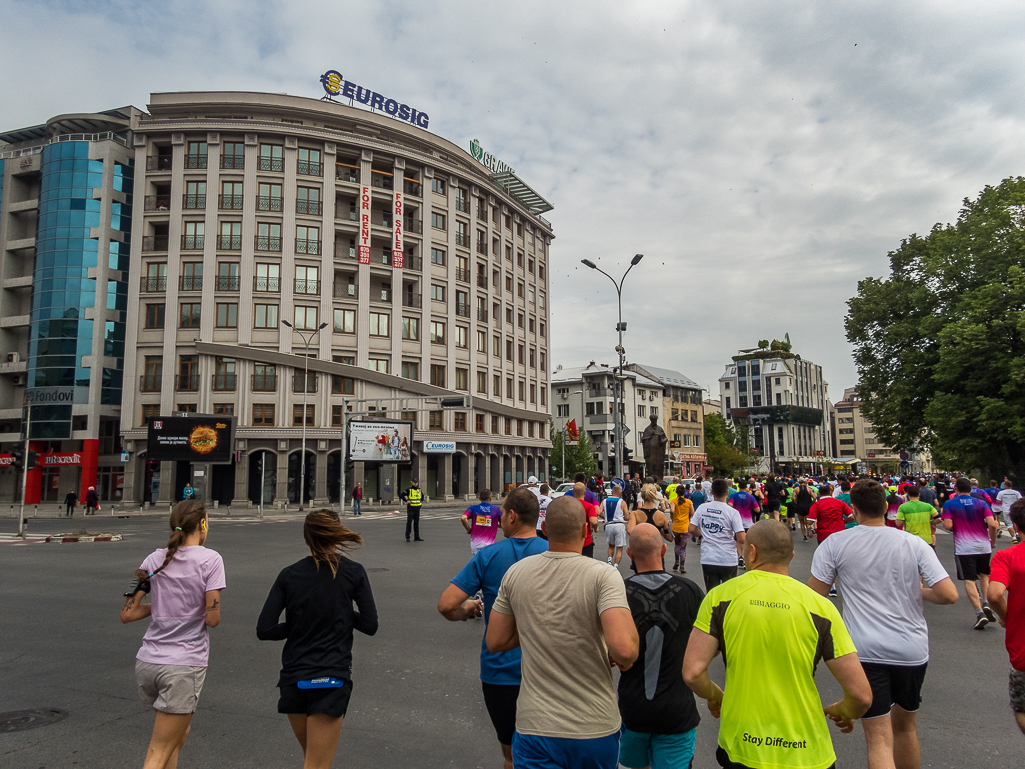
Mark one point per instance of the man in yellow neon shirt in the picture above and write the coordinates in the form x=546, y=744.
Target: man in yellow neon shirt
x=772, y=712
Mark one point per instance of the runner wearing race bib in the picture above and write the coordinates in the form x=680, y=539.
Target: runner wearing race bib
x=482, y=521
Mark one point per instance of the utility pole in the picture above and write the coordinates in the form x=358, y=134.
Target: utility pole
x=24, y=473
x=306, y=389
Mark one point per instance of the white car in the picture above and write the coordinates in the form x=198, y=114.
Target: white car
x=563, y=488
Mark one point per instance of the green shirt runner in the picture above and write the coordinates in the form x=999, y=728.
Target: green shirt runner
x=771, y=712
x=917, y=517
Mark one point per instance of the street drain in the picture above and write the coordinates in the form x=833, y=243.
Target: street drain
x=377, y=568
x=20, y=720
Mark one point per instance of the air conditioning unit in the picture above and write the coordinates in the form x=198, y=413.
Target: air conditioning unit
x=13, y=357
x=18, y=380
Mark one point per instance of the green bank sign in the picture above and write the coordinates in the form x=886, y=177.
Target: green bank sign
x=489, y=161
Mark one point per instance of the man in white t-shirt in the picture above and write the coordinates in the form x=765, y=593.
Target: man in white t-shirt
x=544, y=498
x=883, y=575
x=1005, y=498
x=706, y=488
x=721, y=528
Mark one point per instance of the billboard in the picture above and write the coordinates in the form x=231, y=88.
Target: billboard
x=380, y=441
x=200, y=438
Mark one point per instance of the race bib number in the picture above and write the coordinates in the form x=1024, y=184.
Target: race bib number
x=484, y=520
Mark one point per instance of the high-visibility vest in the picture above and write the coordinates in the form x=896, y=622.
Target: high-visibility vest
x=415, y=498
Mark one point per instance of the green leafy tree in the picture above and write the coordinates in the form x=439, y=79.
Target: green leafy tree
x=579, y=458
x=763, y=344
x=940, y=343
x=725, y=446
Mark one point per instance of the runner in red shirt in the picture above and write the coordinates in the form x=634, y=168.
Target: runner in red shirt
x=1007, y=574
x=579, y=490
x=828, y=514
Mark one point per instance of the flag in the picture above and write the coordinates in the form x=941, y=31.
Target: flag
x=573, y=430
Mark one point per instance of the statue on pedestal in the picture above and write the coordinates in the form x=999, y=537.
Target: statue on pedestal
x=654, y=441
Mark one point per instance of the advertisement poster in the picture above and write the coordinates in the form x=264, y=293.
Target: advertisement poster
x=380, y=441
x=397, y=219
x=364, y=224
x=202, y=438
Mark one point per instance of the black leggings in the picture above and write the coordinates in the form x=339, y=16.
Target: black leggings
x=716, y=575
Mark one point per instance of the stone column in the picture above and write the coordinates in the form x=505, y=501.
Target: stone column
x=241, y=482
x=465, y=479
x=320, y=481
x=166, y=494
x=281, y=489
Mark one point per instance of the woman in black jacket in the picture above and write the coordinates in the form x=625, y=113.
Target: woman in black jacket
x=317, y=596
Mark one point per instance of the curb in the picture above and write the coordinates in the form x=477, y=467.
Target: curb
x=83, y=538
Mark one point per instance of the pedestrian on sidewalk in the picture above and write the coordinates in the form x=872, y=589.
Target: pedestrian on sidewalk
x=325, y=597
x=70, y=501
x=357, y=499
x=92, y=501
x=184, y=582
x=414, y=499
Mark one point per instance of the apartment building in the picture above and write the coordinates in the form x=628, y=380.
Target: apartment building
x=858, y=445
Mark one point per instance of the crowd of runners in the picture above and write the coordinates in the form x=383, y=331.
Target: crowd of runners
x=557, y=620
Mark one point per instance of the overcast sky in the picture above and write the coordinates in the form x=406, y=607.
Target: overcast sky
x=763, y=156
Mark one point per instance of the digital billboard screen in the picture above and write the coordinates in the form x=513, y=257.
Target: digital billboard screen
x=380, y=441
x=202, y=438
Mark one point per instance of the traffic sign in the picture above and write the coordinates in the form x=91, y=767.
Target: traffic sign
x=905, y=465
x=904, y=456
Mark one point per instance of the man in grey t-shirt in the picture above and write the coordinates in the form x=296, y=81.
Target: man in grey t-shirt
x=884, y=575
x=581, y=602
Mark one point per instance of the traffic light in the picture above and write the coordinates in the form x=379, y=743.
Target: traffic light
x=18, y=458
x=627, y=456
x=31, y=460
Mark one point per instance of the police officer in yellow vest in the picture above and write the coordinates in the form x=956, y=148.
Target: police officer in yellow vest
x=414, y=499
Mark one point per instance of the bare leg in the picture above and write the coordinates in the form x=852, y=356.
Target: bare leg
x=1020, y=718
x=879, y=739
x=321, y=741
x=169, y=733
x=984, y=584
x=906, y=752
x=973, y=594
x=507, y=755
x=298, y=723
x=617, y=560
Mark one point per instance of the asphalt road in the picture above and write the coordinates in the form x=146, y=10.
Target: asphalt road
x=416, y=701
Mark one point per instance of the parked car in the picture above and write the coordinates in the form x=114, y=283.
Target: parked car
x=563, y=488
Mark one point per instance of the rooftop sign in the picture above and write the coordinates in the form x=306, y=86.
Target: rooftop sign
x=489, y=161
x=335, y=85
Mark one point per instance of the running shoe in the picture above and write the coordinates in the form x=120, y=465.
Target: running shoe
x=981, y=621
x=740, y=563
x=682, y=569
x=989, y=614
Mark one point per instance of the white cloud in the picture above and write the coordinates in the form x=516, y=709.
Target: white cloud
x=763, y=156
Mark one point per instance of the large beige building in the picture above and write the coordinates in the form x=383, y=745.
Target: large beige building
x=430, y=272
x=856, y=439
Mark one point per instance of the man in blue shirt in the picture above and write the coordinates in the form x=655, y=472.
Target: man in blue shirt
x=499, y=672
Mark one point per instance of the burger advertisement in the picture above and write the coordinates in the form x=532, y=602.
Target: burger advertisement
x=201, y=438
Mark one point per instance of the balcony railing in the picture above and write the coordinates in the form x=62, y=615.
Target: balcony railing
x=462, y=204
x=187, y=382
x=190, y=283
x=307, y=287
x=154, y=243
x=309, y=207
x=482, y=212
x=462, y=239
x=192, y=242
x=482, y=248
x=269, y=203
x=346, y=214
x=309, y=168
x=462, y=309
x=229, y=202
x=224, y=382
x=158, y=203
x=301, y=383
x=272, y=164
x=409, y=224
x=411, y=300
x=235, y=162
x=482, y=281
x=413, y=188
x=381, y=219
x=266, y=284
x=265, y=383
x=482, y=315
x=195, y=161
x=347, y=291
x=227, y=283
x=346, y=174
x=150, y=383
x=462, y=274
x=158, y=163
x=307, y=246
x=229, y=242
x=380, y=295
x=264, y=243
x=381, y=181
x=343, y=251
x=153, y=284
x=414, y=263
x=193, y=201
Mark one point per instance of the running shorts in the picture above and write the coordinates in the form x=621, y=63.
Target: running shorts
x=331, y=702
x=969, y=567
x=657, y=751
x=773, y=506
x=171, y=689
x=899, y=685
x=615, y=534
x=716, y=575
x=500, y=701
x=533, y=752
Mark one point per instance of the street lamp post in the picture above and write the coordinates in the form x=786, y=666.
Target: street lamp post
x=308, y=339
x=620, y=328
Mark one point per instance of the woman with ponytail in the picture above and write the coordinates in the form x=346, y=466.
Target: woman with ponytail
x=317, y=596
x=184, y=582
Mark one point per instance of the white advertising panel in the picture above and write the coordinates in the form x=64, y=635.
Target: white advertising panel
x=380, y=441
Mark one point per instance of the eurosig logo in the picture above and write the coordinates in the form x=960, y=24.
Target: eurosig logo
x=335, y=85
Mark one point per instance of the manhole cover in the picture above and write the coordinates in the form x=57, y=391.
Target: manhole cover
x=377, y=568
x=20, y=720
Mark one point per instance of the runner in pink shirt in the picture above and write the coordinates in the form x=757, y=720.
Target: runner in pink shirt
x=482, y=521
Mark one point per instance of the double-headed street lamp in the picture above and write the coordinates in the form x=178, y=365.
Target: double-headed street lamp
x=306, y=389
x=620, y=327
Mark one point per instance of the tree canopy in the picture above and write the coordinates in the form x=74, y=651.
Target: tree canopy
x=940, y=342
x=579, y=458
x=725, y=448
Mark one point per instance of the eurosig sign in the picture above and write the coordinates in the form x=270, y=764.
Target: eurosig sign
x=335, y=85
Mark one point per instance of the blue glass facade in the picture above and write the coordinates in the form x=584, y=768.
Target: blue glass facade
x=60, y=334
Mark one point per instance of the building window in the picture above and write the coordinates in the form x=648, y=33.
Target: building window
x=530, y=429
x=509, y=350
x=496, y=346
x=411, y=370
x=478, y=420
x=380, y=365
x=266, y=316
x=263, y=413
x=519, y=428
x=228, y=409
x=227, y=315
x=482, y=342
x=411, y=329
x=437, y=375
x=459, y=420
x=437, y=332
x=345, y=322
x=508, y=387
x=309, y=162
x=438, y=256
x=336, y=415
x=379, y=322
x=519, y=354
x=297, y=414
x=541, y=328
x=342, y=385
x=438, y=186
x=497, y=383
x=155, y=316
x=533, y=395
x=307, y=278
x=190, y=315
x=522, y=390
x=544, y=395
x=187, y=408
x=437, y=293
x=494, y=425
x=435, y=420
x=508, y=425
x=482, y=382
x=462, y=379
x=306, y=318
x=462, y=337
x=150, y=411
x=437, y=220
